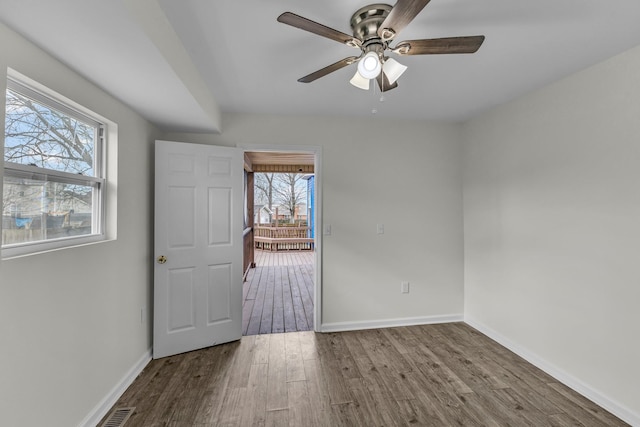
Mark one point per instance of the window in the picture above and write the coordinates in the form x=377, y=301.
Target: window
x=53, y=184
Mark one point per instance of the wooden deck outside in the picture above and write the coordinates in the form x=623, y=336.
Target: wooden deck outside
x=278, y=293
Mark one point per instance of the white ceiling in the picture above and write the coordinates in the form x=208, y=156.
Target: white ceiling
x=180, y=62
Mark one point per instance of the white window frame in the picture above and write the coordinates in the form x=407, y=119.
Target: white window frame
x=97, y=181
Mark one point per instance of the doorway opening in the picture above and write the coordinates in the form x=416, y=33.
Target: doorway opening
x=280, y=289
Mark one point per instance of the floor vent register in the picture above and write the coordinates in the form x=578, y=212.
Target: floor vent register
x=118, y=417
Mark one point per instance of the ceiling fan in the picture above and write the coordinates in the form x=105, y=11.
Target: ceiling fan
x=374, y=27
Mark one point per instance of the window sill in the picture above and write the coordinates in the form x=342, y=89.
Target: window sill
x=39, y=248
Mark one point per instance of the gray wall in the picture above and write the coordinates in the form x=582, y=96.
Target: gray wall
x=552, y=228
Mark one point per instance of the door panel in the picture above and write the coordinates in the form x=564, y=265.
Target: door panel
x=181, y=300
x=181, y=211
x=219, y=293
x=198, y=229
x=220, y=216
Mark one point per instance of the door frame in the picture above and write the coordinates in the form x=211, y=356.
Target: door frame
x=317, y=212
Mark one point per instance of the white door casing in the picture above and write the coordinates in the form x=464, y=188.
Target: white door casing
x=198, y=231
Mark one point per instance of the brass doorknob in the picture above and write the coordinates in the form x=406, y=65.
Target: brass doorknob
x=162, y=259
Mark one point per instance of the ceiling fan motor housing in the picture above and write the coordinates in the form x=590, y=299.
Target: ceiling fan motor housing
x=367, y=20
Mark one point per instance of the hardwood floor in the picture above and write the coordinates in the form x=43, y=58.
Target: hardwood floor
x=434, y=375
x=278, y=293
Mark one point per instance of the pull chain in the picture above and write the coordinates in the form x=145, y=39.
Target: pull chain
x=374, y=110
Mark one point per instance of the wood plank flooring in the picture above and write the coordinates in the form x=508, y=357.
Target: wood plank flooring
x=278, y=293
x=433, y=375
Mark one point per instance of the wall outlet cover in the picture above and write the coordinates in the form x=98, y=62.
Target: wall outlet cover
x=404, y=286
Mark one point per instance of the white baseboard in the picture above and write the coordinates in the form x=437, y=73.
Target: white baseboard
x=102, y=408
x=595, y=396
x=389, y=323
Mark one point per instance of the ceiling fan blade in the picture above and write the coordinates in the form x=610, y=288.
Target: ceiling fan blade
x=329, y=69
x=468, y=44
x=402, y=13
x=383, y=83
x=319, y=29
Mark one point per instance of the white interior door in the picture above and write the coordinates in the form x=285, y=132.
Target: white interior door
x=198, y=247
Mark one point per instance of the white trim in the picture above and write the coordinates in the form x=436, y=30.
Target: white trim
x=390, y=323
x=317, y=215
x=58, y=97
x=102, y=408
x=42, y=174
x=316, y=150
x=570, y=381
x=19, y=85
x=45, y=246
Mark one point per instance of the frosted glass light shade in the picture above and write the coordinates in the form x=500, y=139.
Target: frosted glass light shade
x=393, y=70
x=360, y=82
x=369, y=66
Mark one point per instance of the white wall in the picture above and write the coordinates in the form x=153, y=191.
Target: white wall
x=552, y=228
x=70, y=326
x=405, y=175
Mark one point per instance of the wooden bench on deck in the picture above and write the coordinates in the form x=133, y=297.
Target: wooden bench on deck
x=284, y=243
x=282, y=238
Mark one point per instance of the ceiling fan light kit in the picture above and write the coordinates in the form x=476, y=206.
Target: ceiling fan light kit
x=374, y=27
x=360, y=82
x=393, y=69
x=369, y=66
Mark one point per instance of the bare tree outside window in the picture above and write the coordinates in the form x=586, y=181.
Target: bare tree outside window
x=40, y=136
x=287, y=191
x=291, y=191
x=264, y=190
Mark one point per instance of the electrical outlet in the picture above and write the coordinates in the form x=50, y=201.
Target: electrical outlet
x=404, y=287
x=326, y=230
x=380, y=229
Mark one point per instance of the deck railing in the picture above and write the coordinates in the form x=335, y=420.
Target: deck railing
x=282, y=238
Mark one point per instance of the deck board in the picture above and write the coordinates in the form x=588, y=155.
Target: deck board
x=278, y=305
x=267, y=305
x=289, y=315
x=278, y=293
x=306, y=295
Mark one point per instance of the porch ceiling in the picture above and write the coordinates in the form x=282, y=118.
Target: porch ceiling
x=279, y=162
